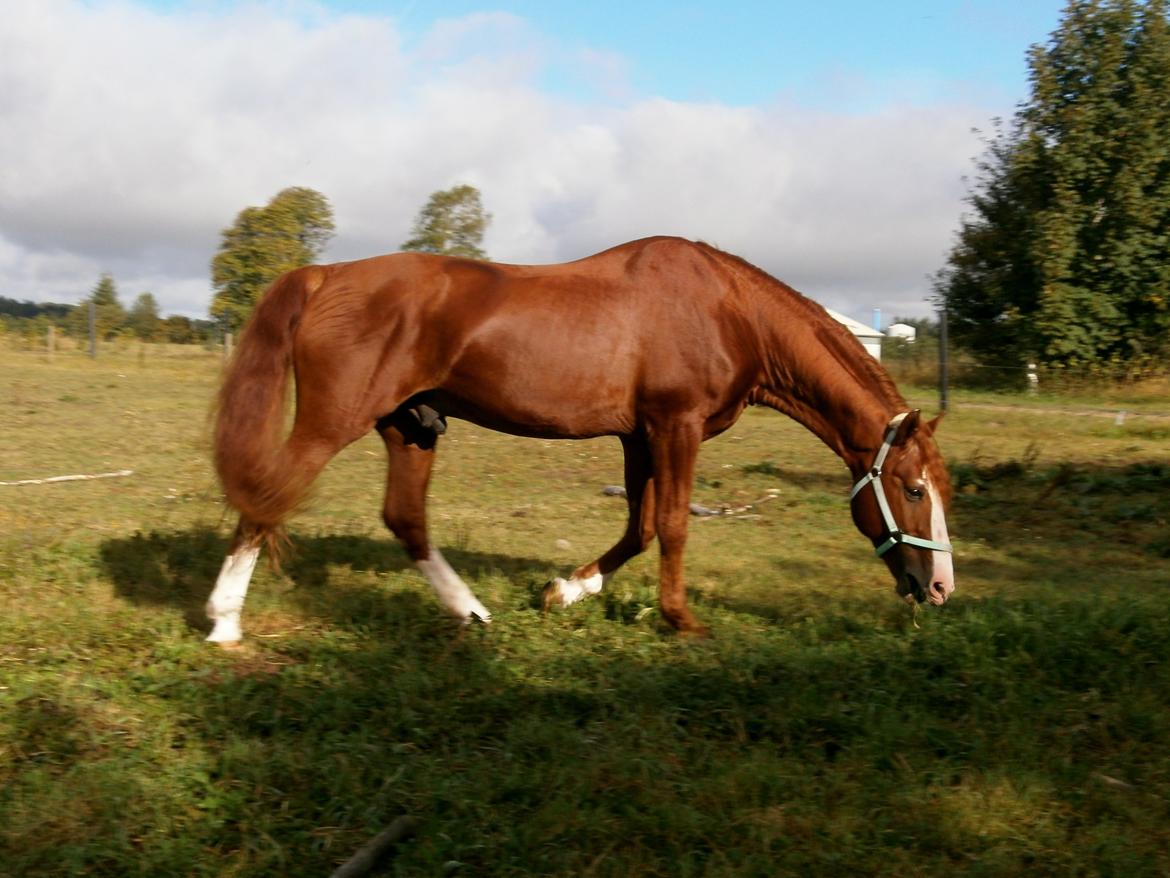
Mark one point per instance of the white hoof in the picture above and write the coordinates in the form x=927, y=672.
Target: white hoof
x=226, y=630
x=566, y=592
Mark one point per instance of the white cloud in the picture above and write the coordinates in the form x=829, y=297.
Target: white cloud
x=132, y=137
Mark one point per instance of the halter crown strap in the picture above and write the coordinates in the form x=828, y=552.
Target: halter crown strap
x=894, y=534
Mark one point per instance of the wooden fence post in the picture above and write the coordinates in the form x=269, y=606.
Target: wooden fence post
x=943, y=378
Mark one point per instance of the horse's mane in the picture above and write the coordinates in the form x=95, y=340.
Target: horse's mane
x=843, y=345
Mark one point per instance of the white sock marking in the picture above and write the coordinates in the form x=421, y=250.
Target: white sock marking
x=227, y=598
x=452, y=591
x=569, y=591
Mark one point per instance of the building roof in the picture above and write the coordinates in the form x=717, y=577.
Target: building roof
x=855, y=326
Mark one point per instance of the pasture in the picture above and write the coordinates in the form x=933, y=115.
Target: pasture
x=827, y=729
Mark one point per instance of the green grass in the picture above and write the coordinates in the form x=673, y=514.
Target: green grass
x=828, y=729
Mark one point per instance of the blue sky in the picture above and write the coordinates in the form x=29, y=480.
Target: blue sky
x=748, y=53
x=826, y=142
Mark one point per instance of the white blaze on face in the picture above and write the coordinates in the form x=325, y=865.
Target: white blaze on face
x=943, y=568
x=452, y=591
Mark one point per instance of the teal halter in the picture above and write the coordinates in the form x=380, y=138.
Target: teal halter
x=894, y=534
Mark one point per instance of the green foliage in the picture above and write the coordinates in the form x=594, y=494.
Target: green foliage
x=264, y=242
x=452, y=223
x=183, y=330
x=31, y=310
x=143, y=319
x=1065, y=258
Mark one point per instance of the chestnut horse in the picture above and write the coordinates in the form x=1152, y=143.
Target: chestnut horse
x=661, y=342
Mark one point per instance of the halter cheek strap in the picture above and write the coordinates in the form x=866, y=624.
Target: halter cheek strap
x=894, y=535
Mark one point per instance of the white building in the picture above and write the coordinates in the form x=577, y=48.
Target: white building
x=904, y=331
x=871, y=339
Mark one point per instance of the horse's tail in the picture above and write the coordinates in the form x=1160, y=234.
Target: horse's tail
x=259, y=477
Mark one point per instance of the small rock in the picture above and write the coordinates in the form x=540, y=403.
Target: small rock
x=563, y=545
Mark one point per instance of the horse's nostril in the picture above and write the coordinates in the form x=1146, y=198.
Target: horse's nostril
x=938, y=592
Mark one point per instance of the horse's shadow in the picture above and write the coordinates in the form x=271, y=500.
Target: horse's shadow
x=179, y=568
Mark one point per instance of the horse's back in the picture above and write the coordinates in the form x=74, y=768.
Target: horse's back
x=572, y=349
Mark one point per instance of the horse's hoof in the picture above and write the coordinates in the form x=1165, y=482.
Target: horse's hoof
x=550, y=596
x=696, y=632
x=229, y=645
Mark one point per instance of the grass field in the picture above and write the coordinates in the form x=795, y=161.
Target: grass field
x=827, y=729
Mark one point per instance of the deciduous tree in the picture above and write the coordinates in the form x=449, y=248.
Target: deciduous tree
x=293, y=229
x=1065, y=256
x=452, y=222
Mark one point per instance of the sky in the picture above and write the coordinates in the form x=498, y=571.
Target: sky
x=829, y=143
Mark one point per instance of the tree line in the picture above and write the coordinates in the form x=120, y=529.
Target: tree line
x=111, y=319
x=1062, y=258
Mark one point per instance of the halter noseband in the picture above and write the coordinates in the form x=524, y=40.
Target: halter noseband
x=894, y=534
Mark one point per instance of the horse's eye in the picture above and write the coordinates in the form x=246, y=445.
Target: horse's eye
x=915, y=494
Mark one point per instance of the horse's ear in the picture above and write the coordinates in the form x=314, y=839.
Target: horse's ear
x=908, y=427
x=933, y=425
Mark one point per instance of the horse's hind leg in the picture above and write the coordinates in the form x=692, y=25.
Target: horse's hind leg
x=309, y=452
x=231, y=587
x=589, y=579
x=405, y=514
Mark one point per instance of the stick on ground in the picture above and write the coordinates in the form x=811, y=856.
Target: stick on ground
x=78, y=478
x=373, y=850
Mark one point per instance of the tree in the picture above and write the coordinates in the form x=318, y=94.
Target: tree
x=178, y=329
x=143, y=319
x=452, y=222
x=109, y=315
x=1066, y=257
x=292, y=230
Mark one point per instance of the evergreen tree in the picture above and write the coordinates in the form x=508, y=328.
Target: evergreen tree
x=292, y=230
x=109, y=315
x=452, y=222
x=1066, y=256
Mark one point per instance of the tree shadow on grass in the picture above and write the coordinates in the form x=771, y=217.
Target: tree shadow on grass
x=179, y=568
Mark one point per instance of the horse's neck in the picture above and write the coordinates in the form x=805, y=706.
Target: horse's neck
x=819, y=384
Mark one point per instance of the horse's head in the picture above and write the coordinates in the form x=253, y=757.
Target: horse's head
x=900, y=504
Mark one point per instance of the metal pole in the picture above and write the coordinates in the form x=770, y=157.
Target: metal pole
x=943, y=400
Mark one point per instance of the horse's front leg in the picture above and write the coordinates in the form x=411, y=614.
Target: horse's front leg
x=674, y=450
x=231, y=587
x=405, y=513
x=589, y=579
